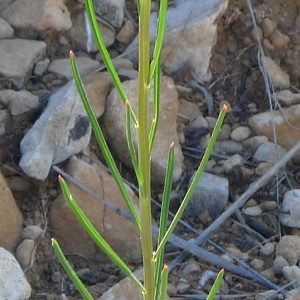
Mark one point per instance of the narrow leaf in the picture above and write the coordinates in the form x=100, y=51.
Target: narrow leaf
x=96, y=236
x=216, y=286
x=72, y=275
x=102, y=143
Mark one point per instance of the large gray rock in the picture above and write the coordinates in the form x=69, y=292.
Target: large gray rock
x=186, y=43
x=6, y=31
x=114, y=127
x=11, y=219
x=14, y=285
x=63, y=129
x=38, y=15
x=17, y=57
x=121, y=234
x=211, y=193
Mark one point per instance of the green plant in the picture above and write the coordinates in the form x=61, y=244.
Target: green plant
x=155, y=272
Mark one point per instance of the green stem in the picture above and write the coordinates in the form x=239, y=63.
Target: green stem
x=143, y=148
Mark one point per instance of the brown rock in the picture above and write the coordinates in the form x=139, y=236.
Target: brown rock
x=279, y=40
x=120, y=233
x=11, y=218
x=268, y=27
x=286, y=136
x=97, y=86
x=114, y=127
x=127, y=33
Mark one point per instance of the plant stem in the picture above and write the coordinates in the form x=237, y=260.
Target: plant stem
x=143, y=148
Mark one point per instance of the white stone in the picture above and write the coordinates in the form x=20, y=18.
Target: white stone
x=289, y=248
x=232, y=162
x=240, y=133
x=211, y=193
x=19, y=102
x=31, y=232
x=62, y=67
x=16, y=64
x=38, y=15
x=114, y=127
x=269, y=152
x=41, y=66
x=228, y=147
x=194, y=47
x=287, y=98
x=253, y=211
x=279, y=263
x=279, y=77
x=13, y=282
x=291, y=209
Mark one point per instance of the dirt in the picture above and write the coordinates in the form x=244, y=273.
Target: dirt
x=236, y=79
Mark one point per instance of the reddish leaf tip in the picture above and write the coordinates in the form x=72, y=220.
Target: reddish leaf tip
x=71, y=53
x=224, y=108
x=127, y=103
x=60, y=177
x=172, y=145
x=166, y=267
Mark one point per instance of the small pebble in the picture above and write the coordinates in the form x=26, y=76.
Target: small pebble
x=268, y=205
x=23, y=253
x=232, y=162
x=253, y=211
x=267, y=249
x=279, y=40
x=268, y=27
x=191, y=267
x=182, y=286
x=31, y=232
x=257, y=264
x=292, y=273
x=240, y=133
x=224, y=133
x=263, y=168
x=279, y=263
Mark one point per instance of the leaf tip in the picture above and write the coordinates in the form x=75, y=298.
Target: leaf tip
x=60, y=177
x=71, y=53
x=166, y=267
x=126, y=102
x=172, y=145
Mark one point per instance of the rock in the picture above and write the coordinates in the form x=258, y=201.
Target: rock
x=279, y=77
x=253, y=211
x=232, y=162
x=194, y=48
x=211, y=193
x=267, y=249
x=38, y=15
x=66, y=128
x=195, y=130
x=122, y=63
x=187, y=110
x=268, y=27
x=62, y=130
x=224, y=133
x=268, y=152
x=41, y=66
x=78, y=34
x=291, y=209
x=11, y=218
x=4, y=4
x=126, y=74
x=127, y=33
x=289, y=248
x=279, y=263
x=6, y=31
x=228, y=147
x=182, y=286
x=191, y=267
x=111, y=11
x=120, y=233
x=292, y=273
x=114, y=126
x=268, y=205
x=253, y=143
x=257, y=264
x=24, y=251
x=16, y=64
x=13, y=282
x=279, y=40
x=287, y=98
x=19, y=102
x=240, y=133
x=286, y=136
x=32, y=232
x=62, y=67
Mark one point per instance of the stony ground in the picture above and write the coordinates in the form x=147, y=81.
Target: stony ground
x=236, y=79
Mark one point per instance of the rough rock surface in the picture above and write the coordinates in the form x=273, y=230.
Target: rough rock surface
x=11, y=218
x=114, y=123
x=63, y=129
x=110, y=225
x=16, y=64
x=211, y=193
x=289, y=248
x=194, y=47
x=13, y=282
x=291, y=207
x=38, y=15
x=286, y=135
